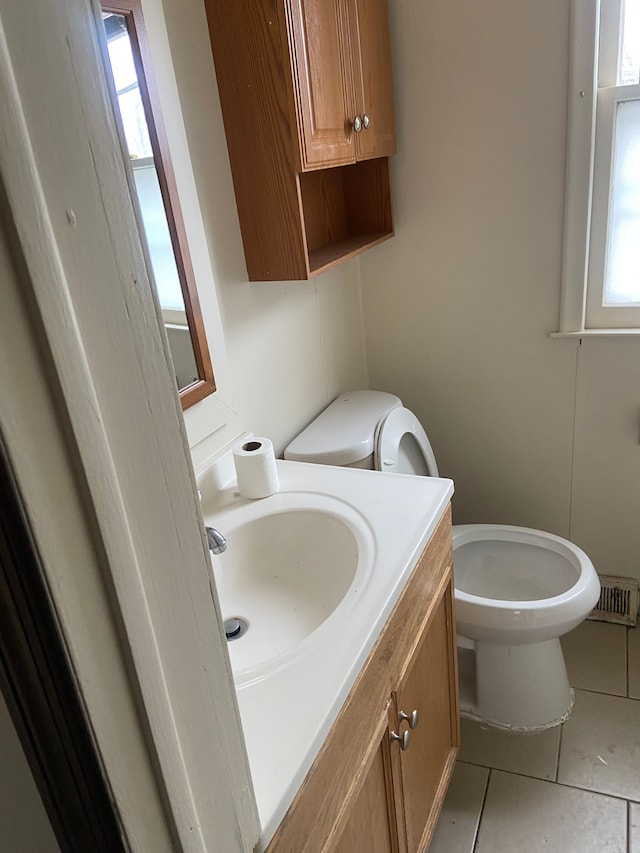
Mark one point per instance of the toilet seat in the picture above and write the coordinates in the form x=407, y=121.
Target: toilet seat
x=504, y=563
x=392, y=451
x=568, y=585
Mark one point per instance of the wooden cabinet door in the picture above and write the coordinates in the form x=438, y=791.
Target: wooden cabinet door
x=371, y=824
x=430, y=687
x=373, y=81
x=322, y=81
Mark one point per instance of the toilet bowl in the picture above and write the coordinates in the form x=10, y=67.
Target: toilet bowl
x=517, y=590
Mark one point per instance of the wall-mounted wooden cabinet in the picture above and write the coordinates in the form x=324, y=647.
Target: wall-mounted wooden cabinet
x=307, y=100
x=380, y=778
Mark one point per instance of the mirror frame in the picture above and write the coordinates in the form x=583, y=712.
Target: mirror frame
x=131, y=10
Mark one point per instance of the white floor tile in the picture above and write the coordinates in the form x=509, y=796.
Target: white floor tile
x=595, y=654
x=600, y=747
x=458, y=822
x=532, y=816
x=531, y=755
x=634, y=828
x=633, y=638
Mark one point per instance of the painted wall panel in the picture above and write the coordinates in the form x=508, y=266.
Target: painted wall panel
x=606, y=483
x=459, y=305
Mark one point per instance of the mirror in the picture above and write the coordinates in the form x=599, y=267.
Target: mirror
x=155, y=186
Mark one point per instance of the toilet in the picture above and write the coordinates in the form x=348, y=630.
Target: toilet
x=517, y=590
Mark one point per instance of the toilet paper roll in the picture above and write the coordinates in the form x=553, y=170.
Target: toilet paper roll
x=256, y=469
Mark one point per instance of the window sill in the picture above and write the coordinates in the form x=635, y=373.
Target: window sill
x=598, y=333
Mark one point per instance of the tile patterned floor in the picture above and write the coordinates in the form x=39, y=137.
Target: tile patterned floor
x=572, y=789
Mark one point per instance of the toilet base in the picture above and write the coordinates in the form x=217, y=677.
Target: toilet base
x=522, y=688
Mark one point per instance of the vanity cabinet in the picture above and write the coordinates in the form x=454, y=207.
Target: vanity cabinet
x=307, y=100
x=364, y=791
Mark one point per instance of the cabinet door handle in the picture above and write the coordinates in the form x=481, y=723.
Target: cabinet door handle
x=413, y=718
x=366, y=121
x=404, y=738
x=357, y=124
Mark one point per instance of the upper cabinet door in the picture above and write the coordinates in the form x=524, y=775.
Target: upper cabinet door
x=322, y=81
x=373, y=81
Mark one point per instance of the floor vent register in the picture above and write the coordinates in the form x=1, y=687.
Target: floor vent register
x=618, y=601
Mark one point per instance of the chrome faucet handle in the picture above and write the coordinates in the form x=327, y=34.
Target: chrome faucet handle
x=216, y=541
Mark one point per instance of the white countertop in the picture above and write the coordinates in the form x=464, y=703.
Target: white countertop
x=287, y=714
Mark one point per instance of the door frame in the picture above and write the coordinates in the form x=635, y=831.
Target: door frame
x=95, y=433
x=39, y=688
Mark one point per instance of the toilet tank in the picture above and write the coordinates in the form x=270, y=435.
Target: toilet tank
x=344, y=433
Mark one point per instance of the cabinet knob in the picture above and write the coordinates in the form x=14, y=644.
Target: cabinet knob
x=357, y=124
x=366, y=121
x=413, y=718
x=404, y=738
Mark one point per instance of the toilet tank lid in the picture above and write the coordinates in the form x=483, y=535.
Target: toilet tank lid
x=344, y=432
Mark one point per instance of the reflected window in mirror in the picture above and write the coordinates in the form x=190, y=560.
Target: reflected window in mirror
x=155, y=186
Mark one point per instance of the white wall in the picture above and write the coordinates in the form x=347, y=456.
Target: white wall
x=289, y=348
x=459, y=305
x=606, y=483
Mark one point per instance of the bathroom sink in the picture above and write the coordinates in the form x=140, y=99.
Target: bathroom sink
x=316, y=570
x=284, y=573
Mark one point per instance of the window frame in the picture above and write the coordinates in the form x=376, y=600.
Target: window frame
x=593, y=96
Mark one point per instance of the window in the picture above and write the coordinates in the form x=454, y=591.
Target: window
x=601, y=277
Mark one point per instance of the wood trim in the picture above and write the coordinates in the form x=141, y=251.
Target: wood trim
x=192, y=394
x=453, y=657
x=292, y=72
x=132, y=473
x=390, y=782
x=131, y=10
x=338, y=773
x=395, y=784
x=39, y=688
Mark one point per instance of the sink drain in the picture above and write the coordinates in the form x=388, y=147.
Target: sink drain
x=235, y=628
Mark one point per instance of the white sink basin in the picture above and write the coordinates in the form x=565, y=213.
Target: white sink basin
x=285, y=572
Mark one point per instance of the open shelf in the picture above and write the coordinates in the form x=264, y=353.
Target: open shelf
x=328, y=256
x=346, y=210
